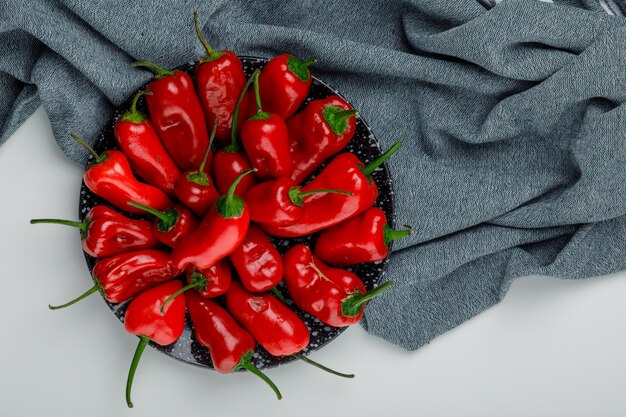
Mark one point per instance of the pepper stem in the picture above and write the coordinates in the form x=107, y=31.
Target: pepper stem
x=79, y=225
x=208, y=148
x=87, y=293
x=320, y=366
x=244, y=363
x=351, y=305
x=367, y=170
x=233, y=147
x=337, y=118
x=229, y=205
x=278, y=294
x=210, y=52
x=260, y=114
x=391, y=234
x=197, y=281
x=158, y=70
x=85, y=145
x=300, y=68
x=167, y=219
x=143, y=342
x=297, y=197
x=133, y=115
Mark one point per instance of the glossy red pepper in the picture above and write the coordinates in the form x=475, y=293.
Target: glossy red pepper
x=143, y=318
x=265, y=138
x=323, y=128
x=231, y=347
x=258, y=263
x=274, y=326
x=219, y=233
x=230, y=161
x=110, y=177
x=177, y=115
x=364, y=238
x=137, y=138
x=105, y=232
x=121, y=277
x=284, y=83
x=335, y=296
x=219, y=81
x=279, y=202
x=208, y=283
x=172, y=225
x=195, y=188
x=344, y=172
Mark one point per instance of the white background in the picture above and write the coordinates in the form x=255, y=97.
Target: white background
x=552, y=348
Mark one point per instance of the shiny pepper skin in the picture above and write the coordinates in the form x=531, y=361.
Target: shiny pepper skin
x=172, y=225
x=211, y=282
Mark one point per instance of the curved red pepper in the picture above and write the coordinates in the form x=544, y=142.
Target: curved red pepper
x=335, y=296
x=221, y=231
x=105, y=232
x=219, y=80
x=110, y=177
x=364, y=238
x=323, y=128
x=257, y=261
x=144, y=318
x=121, y=277
x=172, y=225
x=137, y=138
x=345, y=172
x=274, y=326
x=279, y=202
x=230, y=346
x=265, y=138
x=284, y=83
x=229, y=162
x=194, y=188
x=208, y=283
x=176, y=114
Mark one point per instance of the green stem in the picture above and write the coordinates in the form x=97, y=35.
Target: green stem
x=158, y=70
x=143, y=342
x=79, y=225
x=200, y=177
x=337, y=118
x=244, y=363
x=167, y=219
x=367, y=170
x=391, y=234
x=300, y=68
x=278, y=294
x=229, y=205
x=320, y=366
x=195, y=283
x=297, y=197
x=351, y=305
x=133, y=115
x=257, y=94
x=87, y=293
x=233, y=147
x=211, y=54
x=85, y=145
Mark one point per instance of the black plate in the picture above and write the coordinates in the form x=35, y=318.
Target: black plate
x=364, y=145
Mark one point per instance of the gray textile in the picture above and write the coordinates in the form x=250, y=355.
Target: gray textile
x=515, y=134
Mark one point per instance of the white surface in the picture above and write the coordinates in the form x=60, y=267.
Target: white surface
x=552, y=348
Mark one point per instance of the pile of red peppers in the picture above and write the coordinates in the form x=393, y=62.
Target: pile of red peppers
x=219, y=165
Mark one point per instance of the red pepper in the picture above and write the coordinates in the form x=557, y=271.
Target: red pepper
x=322, y=129
x=143, y=318
x=230, y=162
x=208, y=283
x=195, y=189
x=335, y=296
x=345, y=172
x=257, y=261
x=121, y=277
x=265, y=138
x=219, y=81
x=172, y=225
x=177, y=115
x=230, y=346
x=137, y=138
x=284, y=84
x=364, y=238
x=110, y=177
x=105, y=232
x=279, y=202
x=274, y=326
x=221, y=231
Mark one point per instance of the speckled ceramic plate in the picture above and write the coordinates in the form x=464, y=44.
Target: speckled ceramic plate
x=364, y=144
